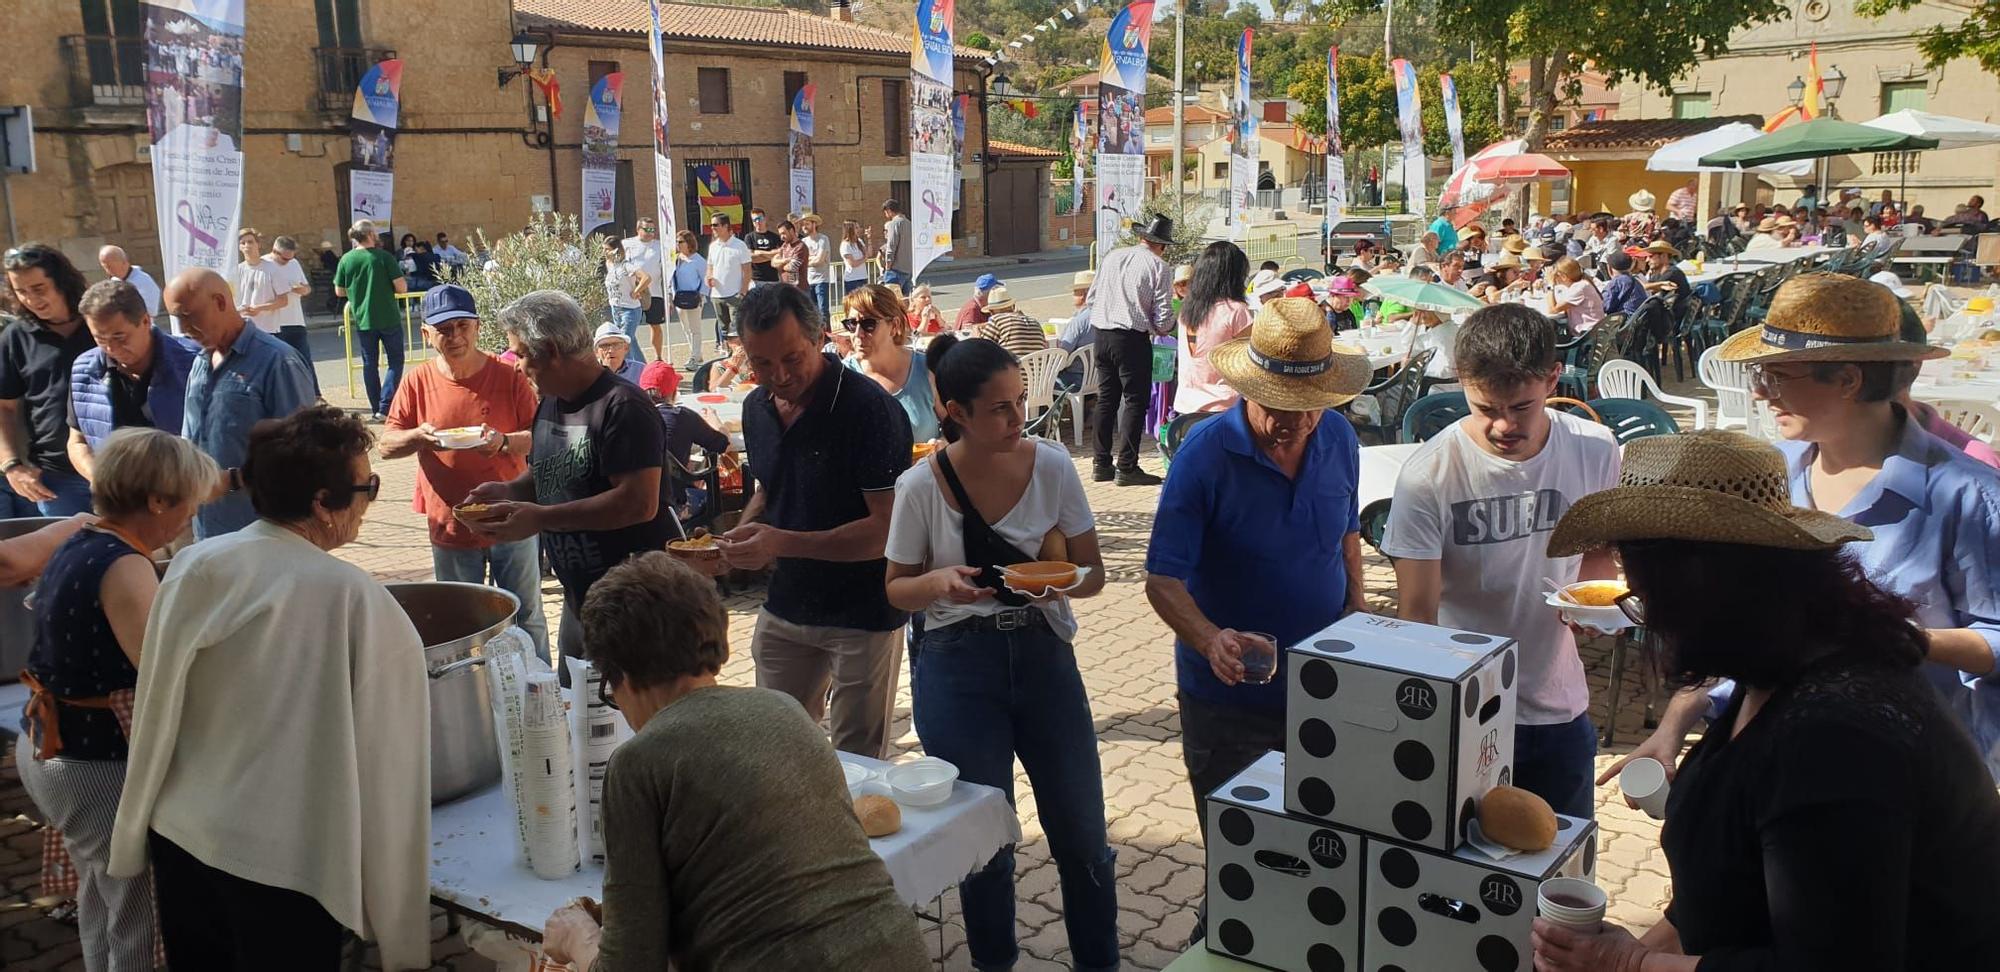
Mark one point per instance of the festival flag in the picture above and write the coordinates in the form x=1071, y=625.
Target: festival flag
x=194, y=116
x=600, y=151
x=802, y=149
x=1410, y=120
x=1023, y=107
x=371, y=178
x=1452, y=122
x=932, y=175
x=714, y=194
x=1121, y=122
x=1815, y=87
x=1079, y=140
x=663, y=170
x=1336, y=158
x=545, y=79
x=959, y=105
x=1242, y=145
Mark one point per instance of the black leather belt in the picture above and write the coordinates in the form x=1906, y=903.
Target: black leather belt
x=1010, y=619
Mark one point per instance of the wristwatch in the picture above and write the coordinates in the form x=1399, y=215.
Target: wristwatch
x=8, y=466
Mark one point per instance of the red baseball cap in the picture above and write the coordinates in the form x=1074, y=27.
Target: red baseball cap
x=660, y=377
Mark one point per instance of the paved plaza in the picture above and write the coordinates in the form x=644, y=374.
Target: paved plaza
x=1126, y=656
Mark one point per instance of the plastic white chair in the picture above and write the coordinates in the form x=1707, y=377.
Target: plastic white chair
x=1977, y=419
x=1038, y=372
x=1086, y=358
x=1731, y=383
x=1629, y=379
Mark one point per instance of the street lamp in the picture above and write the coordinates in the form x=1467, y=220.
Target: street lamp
x=1002, y=86
x=524, y=47
x=1834, y=81
x=1796, y=91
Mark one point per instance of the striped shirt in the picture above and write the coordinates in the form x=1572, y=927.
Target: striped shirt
x=1131, y=292
x=1020, y=334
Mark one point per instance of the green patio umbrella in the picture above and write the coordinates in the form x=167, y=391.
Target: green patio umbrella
x=1815, y=139
x=1422, y=295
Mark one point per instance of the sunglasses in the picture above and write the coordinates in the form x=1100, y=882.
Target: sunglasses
x=371, y=489
x=757, y=219
x=865, y=325
x=1635, y=610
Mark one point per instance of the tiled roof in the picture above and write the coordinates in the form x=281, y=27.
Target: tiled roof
x=1017, y=150
x=698, y=23
x=1637, y=133
x=1164, y=115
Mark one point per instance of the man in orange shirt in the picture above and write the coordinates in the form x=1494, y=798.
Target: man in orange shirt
x=463, y=387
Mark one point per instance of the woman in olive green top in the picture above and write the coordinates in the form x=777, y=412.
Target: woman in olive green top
x=761, y=863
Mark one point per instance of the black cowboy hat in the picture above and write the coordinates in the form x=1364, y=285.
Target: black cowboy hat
x=1160, y=230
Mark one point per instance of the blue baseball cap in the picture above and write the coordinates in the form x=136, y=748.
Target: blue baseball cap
x=448, y=302
x=986, y=281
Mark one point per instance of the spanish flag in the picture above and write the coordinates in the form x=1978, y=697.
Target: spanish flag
x=1026, y=108
x=1810, y=103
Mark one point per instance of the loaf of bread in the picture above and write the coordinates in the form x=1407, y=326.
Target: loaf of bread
x=880, y=816
x=1516, y=818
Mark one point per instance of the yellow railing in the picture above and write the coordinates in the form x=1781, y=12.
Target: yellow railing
x=414, y=348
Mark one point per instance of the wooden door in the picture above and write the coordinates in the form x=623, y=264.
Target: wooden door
x=125, y=212
x=1014, y=217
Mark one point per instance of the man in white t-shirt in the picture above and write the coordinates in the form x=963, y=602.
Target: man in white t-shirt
x=119, y=266
x=1468, y=533
x=728, y=275
x=819, y=262
x=288, y=281
x=644, y=250
x=256, y=297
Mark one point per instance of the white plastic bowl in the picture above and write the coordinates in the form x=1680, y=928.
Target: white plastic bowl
x=468, y=437
x=1608, y=619
x=857, y=777
x=922, y=782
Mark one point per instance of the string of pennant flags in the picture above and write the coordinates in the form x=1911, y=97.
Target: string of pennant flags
x=1067, y=14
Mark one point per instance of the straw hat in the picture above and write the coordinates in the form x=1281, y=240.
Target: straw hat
x=1290, y=361
x=1473, y=230
x=1641, y=201
x=1505, y=261
x=998, y=299
x=1712, y=486
x=1827, y=317
x=1515, y=244
x=1184, y=273
x=1662, y=246
x=1266, y=281
x=1784, y=221
x=1083, y=280
x=1767, y=224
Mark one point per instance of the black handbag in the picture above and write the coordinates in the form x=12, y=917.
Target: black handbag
x=687, y=299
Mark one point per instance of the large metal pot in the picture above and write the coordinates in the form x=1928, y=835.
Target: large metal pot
x=17, y=620
x=455, y=621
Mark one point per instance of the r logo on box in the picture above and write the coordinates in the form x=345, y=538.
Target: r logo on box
x=1417, y=698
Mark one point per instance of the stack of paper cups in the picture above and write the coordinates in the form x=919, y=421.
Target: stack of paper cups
x=550, y=790
x=1571, y=903
x=506, y=671
x=596, y=726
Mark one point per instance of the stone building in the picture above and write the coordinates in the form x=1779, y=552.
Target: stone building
x=476, y=149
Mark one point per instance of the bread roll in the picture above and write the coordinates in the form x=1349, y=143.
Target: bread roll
x=1516, y=818
x=880, y=816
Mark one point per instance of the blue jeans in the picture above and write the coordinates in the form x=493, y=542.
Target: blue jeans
x=376, y=343
x=820, y=292
x=628, y=319
x=516, y=568
x=12, y=506
x=72, y=494
x=897, y=279
x=1555, y=763
x=295, y=335
x=980, y=699
x=850, y=286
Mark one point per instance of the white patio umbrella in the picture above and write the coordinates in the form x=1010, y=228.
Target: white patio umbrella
x=1950, y=132
x=1684, y=155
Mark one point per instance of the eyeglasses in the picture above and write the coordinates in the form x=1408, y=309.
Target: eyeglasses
x=865, y=325
x=1635, y=610
x=604, y=691
x=372, y=488
x=1765, y=382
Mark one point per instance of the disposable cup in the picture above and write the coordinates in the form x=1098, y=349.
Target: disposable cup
x=1644, y=781
x=1571, y=903
x=1260, y=657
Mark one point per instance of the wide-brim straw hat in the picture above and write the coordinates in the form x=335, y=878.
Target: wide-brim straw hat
x=998, y=299
x=1641, y=201
x=1827, y=317
x=1184, y=273
x=1505, y=261
x=1662, y=246
x=1515, y=244
x=1767, y=224
x=1290, y=361
x=1713, y=486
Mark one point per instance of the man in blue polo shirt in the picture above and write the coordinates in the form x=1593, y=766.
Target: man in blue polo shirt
x=1258, y=529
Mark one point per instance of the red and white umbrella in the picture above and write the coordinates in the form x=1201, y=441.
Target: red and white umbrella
x=1490, y=173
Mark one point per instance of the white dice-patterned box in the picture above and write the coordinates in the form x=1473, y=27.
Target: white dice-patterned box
x=1284, y=892
x=1398, y=728
x=1430, y=911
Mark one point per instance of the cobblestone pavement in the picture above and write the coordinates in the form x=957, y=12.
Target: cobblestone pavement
x=1125, y=653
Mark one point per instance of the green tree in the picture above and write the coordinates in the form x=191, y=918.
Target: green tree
x=1367, y=99
x=1976, y=37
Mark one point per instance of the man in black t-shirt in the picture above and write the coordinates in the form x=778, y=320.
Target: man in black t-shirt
x=593, y=490
x=764, y=243
x=36, y=356
x=826, y=445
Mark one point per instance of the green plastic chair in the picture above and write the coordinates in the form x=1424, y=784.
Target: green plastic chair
x=1632, y=418
x=1432, y=414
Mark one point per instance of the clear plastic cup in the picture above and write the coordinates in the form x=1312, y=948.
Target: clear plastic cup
x=1260, y=657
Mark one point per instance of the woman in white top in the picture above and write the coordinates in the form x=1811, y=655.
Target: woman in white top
x=1213, y=314
x=853, y=257
x=279, y=773
x=627, y=289
x=690, y=289
x=994, y=676
x=1574, y=295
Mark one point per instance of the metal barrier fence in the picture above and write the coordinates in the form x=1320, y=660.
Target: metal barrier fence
x=414, y=348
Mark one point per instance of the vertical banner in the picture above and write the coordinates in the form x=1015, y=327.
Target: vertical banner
x=371, y=179
x=933, y=177
x=1336, y=149
x=1410, y=119
x=958, y=105
x=663, y=168
x=802, y=149
x=1242, y=145
x=194, y=116
x=1121, y=122
x=1452, y=122
x=600, y=152
x=1079, y=146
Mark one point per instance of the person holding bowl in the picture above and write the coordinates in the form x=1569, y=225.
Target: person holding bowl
x=993, y=675
x=1838, y=817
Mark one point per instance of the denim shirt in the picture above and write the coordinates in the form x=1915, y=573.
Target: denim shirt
x=261, y=377
x=1936, y=516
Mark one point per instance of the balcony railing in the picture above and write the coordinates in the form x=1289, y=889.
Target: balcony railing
x=339, y=70
x=1896, y=163
x=107, y=72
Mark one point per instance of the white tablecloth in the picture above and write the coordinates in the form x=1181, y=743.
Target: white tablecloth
x=473, y=867
x=1385, y=346
x=727, y=404
x=1380, y=465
